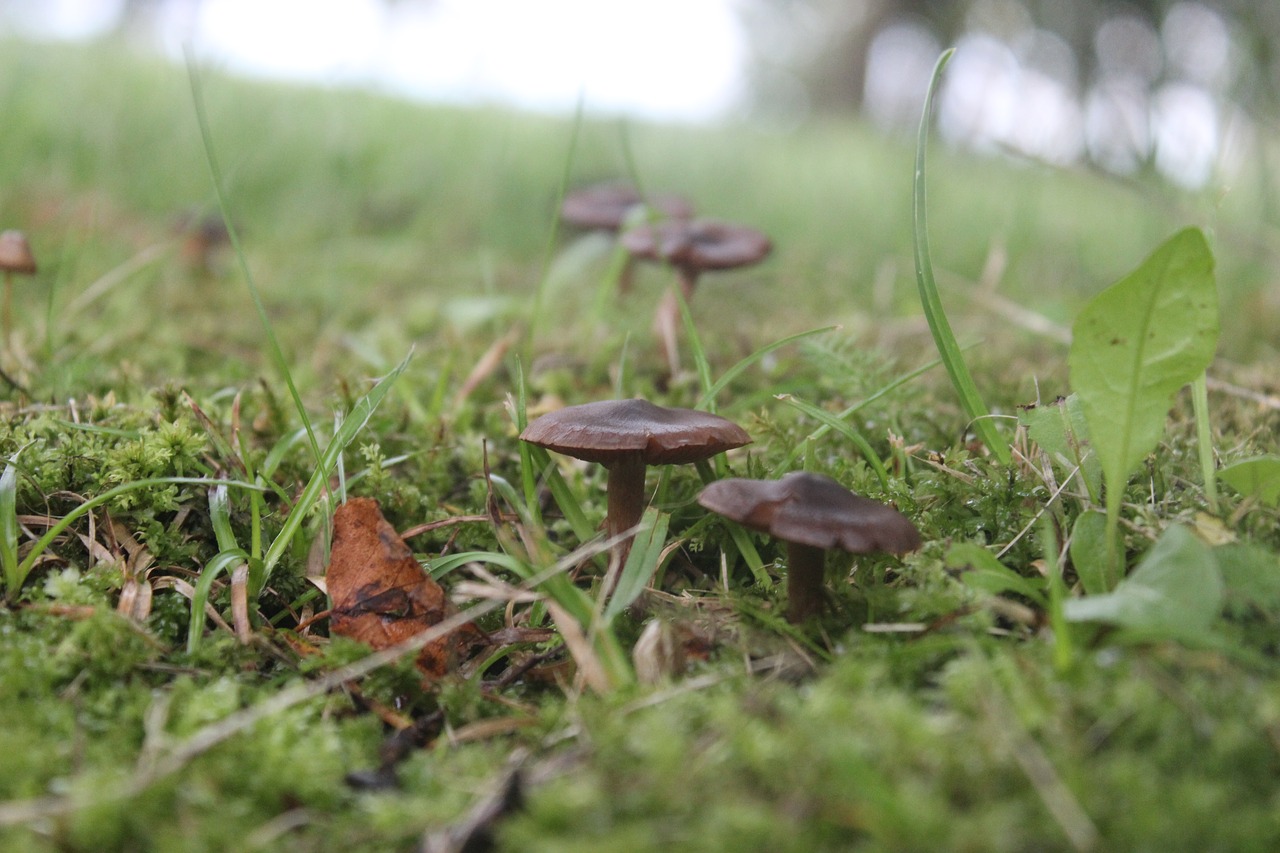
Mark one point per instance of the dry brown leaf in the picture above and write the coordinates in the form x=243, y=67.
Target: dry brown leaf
x=381, y=596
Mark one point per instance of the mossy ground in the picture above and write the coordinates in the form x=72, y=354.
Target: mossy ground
x=373, y=228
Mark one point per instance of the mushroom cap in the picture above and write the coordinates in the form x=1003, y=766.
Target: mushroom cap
x=15, y=253
x=606, y=206
x=700, y=244
x=609, y=430
x=812, y=509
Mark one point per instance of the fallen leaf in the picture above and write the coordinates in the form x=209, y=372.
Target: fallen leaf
x=381, y=595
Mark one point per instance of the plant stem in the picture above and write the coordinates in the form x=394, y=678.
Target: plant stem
x=1204, y=440
x=8, y=306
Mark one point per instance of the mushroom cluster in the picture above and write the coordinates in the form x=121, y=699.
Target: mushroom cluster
x=662, y=228
x=811, y=513
x=613, y=207
x=610, y=206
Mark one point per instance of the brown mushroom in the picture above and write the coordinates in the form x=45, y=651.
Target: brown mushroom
x=202, y=236
x=625, y=436
x=693, y=247
x=811, y=513
x=612, y=207
x=16, y=258
x=609, y=206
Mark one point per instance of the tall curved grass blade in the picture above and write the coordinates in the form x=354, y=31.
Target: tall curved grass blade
x=224, y=209
x=939, y=326
x=223, y=561
x=13, y=576
x=548, y=253
x=220, y=517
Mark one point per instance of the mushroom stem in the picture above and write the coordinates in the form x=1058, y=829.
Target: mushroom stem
x=805, y=567
x=626, y=499
x=7, y=310
x=666, y=323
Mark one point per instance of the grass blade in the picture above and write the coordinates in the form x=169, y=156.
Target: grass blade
x=831, y=421
x=939, y=326
x=695, y=345
x=1204, y=440
x=539, y=293
x=215, y=174
x=43, y=543
x=223, y=561
x=642, y=562
x=707, y=400
x=351, y=426
x=220, y=516
x=818, y=433
x=13, y=576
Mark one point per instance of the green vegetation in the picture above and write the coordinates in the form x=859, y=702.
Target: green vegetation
x=1082, y=655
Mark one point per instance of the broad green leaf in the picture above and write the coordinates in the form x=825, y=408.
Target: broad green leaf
x=1176, y=592
x=980, y=570
x=1133, y=346
x=1139, y=341
x=1258, y=477
x=1251, y=575
x=1089, y=551
x=1059, y=429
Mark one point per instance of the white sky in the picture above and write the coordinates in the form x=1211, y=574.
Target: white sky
x=673, y=59
x=685, y=60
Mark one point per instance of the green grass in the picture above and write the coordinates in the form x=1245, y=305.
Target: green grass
x=948, y=700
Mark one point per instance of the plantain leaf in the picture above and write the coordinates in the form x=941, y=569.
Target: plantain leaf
x=1257, y=477
x=980, y=570
x=1059, y=429
x=1088, y=551
x=1176, y=592
x=1133, y=346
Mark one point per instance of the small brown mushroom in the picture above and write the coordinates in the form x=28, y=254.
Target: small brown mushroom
x=203, y=235
x=16, y=258
x=693, y=247
x=625, y=436
x=811, y=513
x=612, y=207
x=609, y=206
